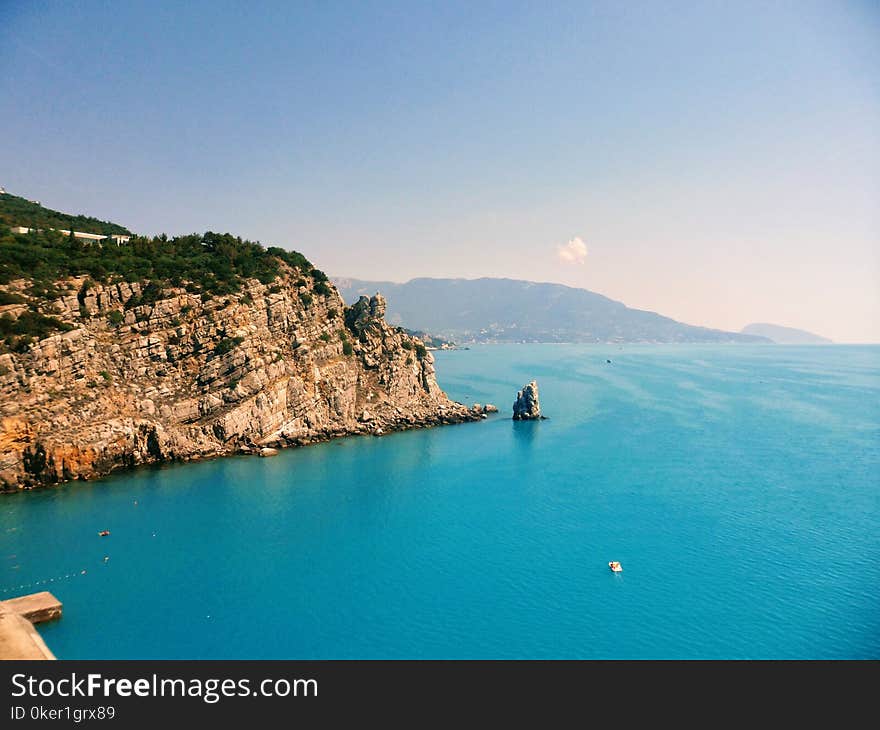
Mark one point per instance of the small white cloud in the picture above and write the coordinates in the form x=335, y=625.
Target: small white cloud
x=573, y=252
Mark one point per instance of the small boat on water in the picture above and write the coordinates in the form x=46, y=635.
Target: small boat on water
x=104, y=533
x=615, y=567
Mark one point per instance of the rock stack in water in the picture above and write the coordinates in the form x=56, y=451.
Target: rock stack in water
x=527, y=407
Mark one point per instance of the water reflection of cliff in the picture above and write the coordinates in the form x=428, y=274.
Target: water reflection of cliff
x=525, y=432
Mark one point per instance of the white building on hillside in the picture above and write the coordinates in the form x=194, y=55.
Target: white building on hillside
x=118, y=238
x=84, y=236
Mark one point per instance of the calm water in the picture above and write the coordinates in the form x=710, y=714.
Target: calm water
x=738, y=486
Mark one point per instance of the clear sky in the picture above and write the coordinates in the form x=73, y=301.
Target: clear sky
x=717, y=162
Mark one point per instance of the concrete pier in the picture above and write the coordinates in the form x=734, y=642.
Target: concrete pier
x=18, y=637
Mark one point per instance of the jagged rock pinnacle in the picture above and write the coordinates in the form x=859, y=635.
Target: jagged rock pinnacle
x=527, y=407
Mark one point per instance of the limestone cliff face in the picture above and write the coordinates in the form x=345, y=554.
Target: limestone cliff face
x=186, y=377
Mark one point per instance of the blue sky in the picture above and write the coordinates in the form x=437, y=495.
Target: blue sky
x=719, y=161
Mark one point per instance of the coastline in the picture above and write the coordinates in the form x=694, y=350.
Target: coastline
x=455, y=416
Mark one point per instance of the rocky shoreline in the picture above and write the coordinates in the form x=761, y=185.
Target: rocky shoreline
x=271, y=448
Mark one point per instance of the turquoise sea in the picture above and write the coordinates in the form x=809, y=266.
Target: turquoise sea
x=739, y=486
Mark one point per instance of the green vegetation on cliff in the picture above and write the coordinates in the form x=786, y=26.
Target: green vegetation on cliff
x=208, y=264
x=15, y=211
x=18, y=333
x=216, y=263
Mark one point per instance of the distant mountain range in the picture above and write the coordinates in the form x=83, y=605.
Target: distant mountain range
x=784, y=335
x=510, y=310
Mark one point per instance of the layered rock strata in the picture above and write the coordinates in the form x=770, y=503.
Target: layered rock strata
x=192, y=376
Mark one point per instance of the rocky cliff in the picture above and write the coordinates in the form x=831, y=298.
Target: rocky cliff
x=192, y=376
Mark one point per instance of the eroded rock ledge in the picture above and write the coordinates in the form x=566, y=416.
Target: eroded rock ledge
x=186, y=378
